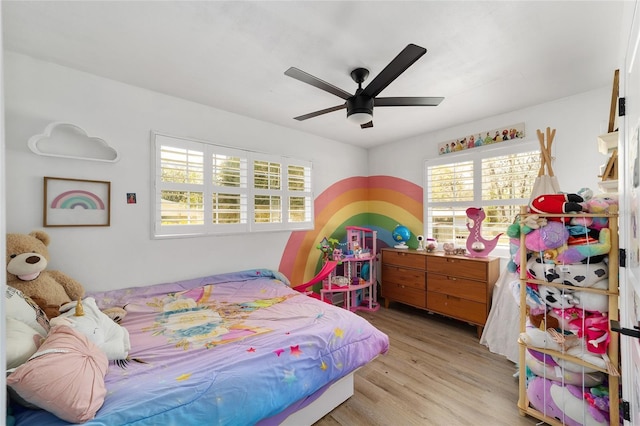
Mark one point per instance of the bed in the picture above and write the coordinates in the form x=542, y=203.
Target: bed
x=229, y=349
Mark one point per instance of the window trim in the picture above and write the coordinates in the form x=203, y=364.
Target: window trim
x=475, y=154
x=208, y=188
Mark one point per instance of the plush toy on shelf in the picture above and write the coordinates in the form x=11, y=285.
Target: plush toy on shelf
x=566, y=402
x=557, y=204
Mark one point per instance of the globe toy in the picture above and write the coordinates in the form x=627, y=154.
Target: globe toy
x=401, y=235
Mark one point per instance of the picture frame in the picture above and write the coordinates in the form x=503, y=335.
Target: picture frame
x=76, y=202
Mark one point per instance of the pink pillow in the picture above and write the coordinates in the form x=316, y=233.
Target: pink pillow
x=65, y=376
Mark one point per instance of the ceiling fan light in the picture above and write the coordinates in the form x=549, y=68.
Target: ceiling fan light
x=360, y=117
x=360, y=109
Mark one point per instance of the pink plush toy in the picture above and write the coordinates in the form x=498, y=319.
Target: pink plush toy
x=600, y=204
x=550, y=236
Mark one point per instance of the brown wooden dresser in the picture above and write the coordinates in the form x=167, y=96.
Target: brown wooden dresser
x=458, y=287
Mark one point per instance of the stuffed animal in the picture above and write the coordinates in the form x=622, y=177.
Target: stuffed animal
x=578, y=253
x=568, y=343
x=558, y=298
x=535, y=238
x=544, y=365
x=579, y=274
x=564, y=402
x=27, y=260
x=87, y=318
x=600, y=204
x=557, y=203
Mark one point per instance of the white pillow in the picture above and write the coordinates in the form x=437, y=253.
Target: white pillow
x=26, y=327
x=22, y=308
x=65, y=377
x=22, y=342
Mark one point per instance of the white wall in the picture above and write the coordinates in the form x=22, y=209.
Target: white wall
x=123, y=255
x=578, y=121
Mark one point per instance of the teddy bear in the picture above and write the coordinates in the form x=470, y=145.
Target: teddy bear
x=27, y=260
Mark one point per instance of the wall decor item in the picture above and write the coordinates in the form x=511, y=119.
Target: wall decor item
x=67, y=140
x=613, y=110
x=486, y=137
x=76, y=202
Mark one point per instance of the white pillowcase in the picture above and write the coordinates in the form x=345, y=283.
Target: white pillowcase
x=22, y=342
x=22, y=308
x=26, y=327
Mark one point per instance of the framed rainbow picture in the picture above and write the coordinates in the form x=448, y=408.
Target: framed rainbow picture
x=76, y=202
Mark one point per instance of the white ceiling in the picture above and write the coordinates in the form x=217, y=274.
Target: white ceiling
x=484, y=57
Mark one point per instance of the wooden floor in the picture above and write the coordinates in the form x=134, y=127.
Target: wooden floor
x=435, y=373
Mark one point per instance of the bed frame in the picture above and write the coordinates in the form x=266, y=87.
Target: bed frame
x=333, y=396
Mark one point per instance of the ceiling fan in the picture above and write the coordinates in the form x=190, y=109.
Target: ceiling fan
x=360, y=105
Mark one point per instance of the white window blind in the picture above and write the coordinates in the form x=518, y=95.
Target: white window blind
x=499, y=180
x=203, y=189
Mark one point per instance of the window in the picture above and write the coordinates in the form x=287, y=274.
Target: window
x=204, y=189
x=498, y=179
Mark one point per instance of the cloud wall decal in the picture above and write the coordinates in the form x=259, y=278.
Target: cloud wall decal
x=70, y=141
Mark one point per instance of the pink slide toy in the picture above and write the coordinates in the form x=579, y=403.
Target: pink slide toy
x=327, y=268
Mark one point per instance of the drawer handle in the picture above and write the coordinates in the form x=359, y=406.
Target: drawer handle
x=452, y=278
x=452, y=297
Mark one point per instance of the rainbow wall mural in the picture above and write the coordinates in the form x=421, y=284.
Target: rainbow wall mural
x=376, y=202
x=77, y=198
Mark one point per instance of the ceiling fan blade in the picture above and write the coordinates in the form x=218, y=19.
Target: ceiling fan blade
x=322, y=111
x=397, y=66
x=367, y=125
x=315, y=81
x=410, y=101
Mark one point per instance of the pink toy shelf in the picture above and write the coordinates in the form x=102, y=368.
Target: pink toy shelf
x=358, y=285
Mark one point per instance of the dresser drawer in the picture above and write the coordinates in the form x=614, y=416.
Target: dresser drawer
x=473, y=269
x=413, y=278
x=458, y=287
x=404, y=258
x=404, y=294
x=456, y=307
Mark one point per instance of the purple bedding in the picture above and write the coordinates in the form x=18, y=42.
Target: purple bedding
x=227, y=349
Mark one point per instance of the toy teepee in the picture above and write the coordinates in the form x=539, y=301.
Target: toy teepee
x=546, y=182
